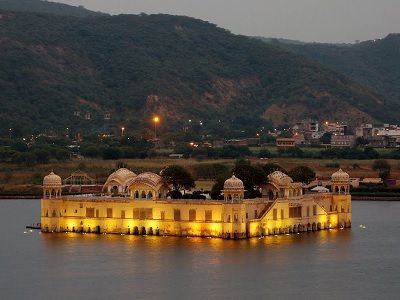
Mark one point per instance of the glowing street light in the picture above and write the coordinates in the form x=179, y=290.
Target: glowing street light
x=122, y=131
x=156, y=120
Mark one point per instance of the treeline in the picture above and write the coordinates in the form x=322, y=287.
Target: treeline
x=20, y=153
x=296, y=152
x=127, y=148
x=42, y=151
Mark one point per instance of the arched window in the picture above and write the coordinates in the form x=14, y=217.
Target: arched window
x=136, y=194
x=114, y=190
x=143, y=195
x=149, y=195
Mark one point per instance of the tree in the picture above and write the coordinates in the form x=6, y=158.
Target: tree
x=370, y=153
x=62, y=154
x=91, y=151
x=264, y=153
x=252, y=177
x=291, y=152
x=111, y=153
x=218, y=187
x=302, y=174
x=383, y=167
x=19, y=146
x=326, y=138
x=360, y=141
x=178, y=177
x=42, y=156
x=27, y=158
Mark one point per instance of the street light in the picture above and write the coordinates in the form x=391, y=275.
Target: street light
x=122, y=131
x=156, y=120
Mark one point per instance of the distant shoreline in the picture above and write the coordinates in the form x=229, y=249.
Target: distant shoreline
x=353, y=198
x=21, y=197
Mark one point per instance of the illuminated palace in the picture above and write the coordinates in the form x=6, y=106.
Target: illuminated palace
x=138, y=204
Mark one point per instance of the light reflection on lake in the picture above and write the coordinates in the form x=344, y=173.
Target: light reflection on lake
x=337, y=264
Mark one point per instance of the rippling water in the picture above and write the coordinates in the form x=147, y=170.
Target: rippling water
x=361, y=263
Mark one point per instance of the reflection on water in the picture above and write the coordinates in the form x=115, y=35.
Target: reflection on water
x=361, y=262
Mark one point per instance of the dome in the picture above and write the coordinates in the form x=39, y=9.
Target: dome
x=121, y=176
x=340, y=176
x=280, y=178
x=233, y=183
x=149, y=178
x=52, y=180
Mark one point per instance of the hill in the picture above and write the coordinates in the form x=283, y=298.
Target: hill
x=374, y=63
x=45, y=7
x=57, y=69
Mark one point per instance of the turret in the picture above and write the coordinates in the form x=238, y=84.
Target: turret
x=340, y=182
x=52, y=186
x=233, y=190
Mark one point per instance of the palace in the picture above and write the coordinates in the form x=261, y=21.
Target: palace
x=138, y=204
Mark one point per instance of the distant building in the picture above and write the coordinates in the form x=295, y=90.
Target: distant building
x=364, y=131
x=307, y=125
x=285, y=143
x=336, y=128
x=380, y=137
x=175, y=155
x=371, y=181
x=239, y=142
x=343, y=141
x=384, y=141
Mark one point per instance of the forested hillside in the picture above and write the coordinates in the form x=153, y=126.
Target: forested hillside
x=374, y=63
x=45, y=7
x=54, y=70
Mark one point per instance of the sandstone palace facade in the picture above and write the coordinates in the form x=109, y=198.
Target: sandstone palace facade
x=138, y=204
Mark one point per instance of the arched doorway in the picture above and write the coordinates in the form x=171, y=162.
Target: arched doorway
x=143, y=231
x=135, y=230
x=114, y=190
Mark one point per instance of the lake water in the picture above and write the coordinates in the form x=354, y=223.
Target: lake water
x=361, y=263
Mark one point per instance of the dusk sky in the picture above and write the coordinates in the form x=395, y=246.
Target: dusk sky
x=306, y=20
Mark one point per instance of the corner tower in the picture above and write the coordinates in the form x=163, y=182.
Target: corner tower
x=341, y=199
x=52, y=186
x=233, y=190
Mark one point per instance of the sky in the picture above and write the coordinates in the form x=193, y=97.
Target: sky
x=343, y=21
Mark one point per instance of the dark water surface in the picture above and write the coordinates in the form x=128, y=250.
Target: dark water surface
x=338, y=264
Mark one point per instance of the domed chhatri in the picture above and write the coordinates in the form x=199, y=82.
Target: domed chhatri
x=118, y=181
x=52, y=180
x=52, y=186
x=280, y=178
x=340, y=176
x=233, y=190
x=340, y=182
x=233, y=184
x=121, y=175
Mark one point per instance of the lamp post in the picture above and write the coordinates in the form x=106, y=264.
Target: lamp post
x=122, y=131
x=156, y=120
